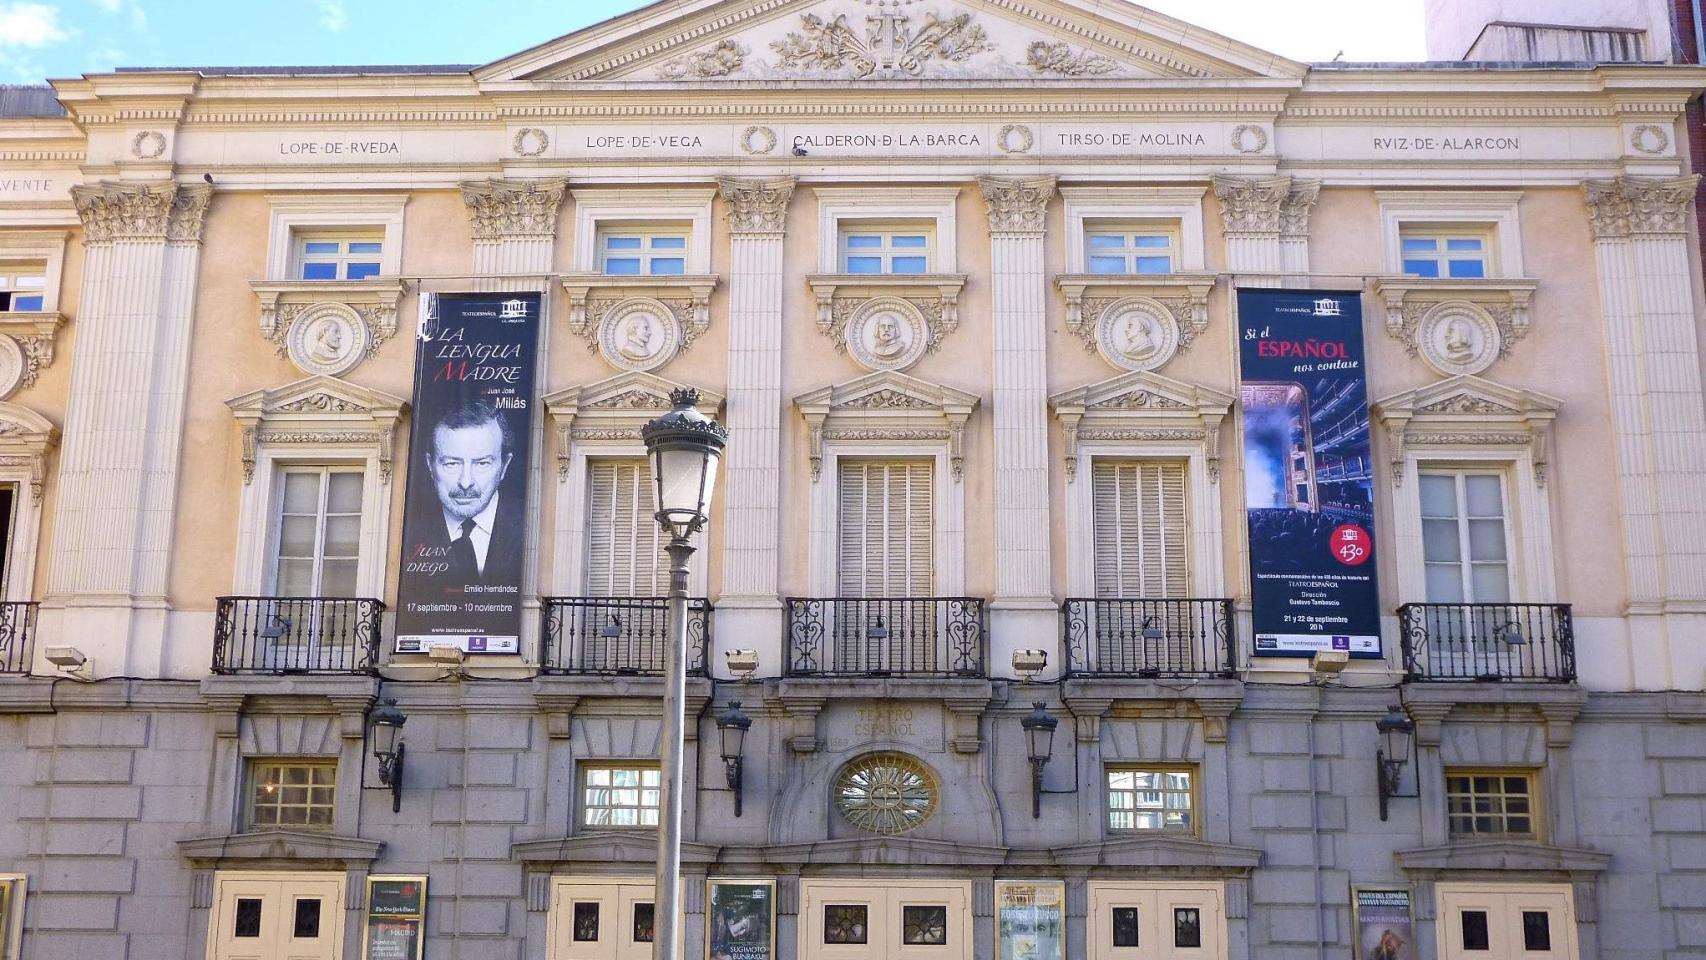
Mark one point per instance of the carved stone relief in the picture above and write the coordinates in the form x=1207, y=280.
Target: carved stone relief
x=1054, y=57
x=1017, y=205
x=1457, y=338
x=719, y=60
x=328, y=339
x=887, y=47
x=757, y=206
x=1627, y=206
x=513, y=208
x=141, y=211
x=1137, y=333
x=886, y=333
x=13, y=366
x=639, y=334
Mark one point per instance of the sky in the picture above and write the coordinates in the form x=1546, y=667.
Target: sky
x=40, y=39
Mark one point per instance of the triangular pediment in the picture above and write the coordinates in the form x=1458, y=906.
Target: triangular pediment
x=876, y=40
x=317, y=397
x=1142, y=392
x=632, y=393
x=887, y=392
x=1468, y=398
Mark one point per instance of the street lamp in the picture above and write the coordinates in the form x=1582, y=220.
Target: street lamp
x=1039, y=736
x=1395, y=728
x=685, y=448
x=734, y=724
x=387, y=723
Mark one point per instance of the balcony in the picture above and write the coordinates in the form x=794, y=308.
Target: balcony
x=17, y=637
x=285, y=635
x=886, y=637
x=624, y=636
x=1148, y=638
x=1532, y=642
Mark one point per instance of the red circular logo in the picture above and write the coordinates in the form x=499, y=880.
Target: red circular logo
x=1350, y=545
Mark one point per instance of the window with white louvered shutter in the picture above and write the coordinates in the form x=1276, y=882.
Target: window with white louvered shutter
x=624, y=545
x=1140, y=529
x=887, y=529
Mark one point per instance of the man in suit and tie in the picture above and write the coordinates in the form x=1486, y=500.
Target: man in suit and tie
x=472, y=447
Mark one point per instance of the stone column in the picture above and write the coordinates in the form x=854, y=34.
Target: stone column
x=1266, y=220
x=749, y=613
x=1023, y=608
x=515, y=231
x=118, y=470
x=515, y=227
x=1646, y=291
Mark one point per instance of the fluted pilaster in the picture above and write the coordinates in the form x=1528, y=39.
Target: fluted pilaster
x=1266, y=222
x=515, y=228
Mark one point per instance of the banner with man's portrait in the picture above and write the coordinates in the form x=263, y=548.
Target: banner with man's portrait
x=465, y=513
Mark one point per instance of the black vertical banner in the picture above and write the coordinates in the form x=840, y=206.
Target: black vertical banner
x=464, y=518
x=1308, y=473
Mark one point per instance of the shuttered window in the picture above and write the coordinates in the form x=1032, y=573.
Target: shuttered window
x=887, y=528
x=624, y=545
x=1140, y=529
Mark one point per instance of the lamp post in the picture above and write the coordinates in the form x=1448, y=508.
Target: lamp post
x=1395, y=728
x=685, y=448
x=1039, y=737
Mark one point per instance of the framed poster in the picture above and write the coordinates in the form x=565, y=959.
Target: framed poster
x=1308, y=473
x=1382, y=923
x=740, y=919
x=1030, y=920
x=396, y=918
x=465, y=509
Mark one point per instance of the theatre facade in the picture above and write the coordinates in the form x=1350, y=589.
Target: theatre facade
x=1179, y=502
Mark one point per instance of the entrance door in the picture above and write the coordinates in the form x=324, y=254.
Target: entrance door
x=885, y=920
x=599, y=919
x=1136, y=920
x=1495, y=921
x=277, y=916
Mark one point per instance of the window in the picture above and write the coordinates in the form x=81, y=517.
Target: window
x=624, y=548
x=878, y=249
x=1151, y=799
x=887, y=528
x=1457, y=253
x=1464, y=548
x=340, y=256
x=643, y=253
x=11, y=914
x=845, y=922
x=23, y=287
x=291, y=793
x=319, y=532
x=1135, y=249
x=1490, y=803
x=620, y=796
x=1140, y=529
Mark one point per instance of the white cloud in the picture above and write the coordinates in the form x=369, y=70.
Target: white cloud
x=332, y=14
x=30, y=25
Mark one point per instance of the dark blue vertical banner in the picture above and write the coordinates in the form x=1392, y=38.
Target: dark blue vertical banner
x=465, y=515
x=1308, y=473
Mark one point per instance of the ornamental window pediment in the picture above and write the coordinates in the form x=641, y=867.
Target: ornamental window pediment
x=613, y=410
x=1139, y=408
x=1464, y=414
x=1458, y=327
x=887, y=322
x=887, y=407
x=321, y=413
x=326, y=328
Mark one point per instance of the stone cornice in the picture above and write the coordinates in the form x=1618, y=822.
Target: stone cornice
x=1501, y=857
x=501, y=209
x=280, y=847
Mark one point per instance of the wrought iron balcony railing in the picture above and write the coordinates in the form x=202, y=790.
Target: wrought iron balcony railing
x=618, y=635
x=297, y=635
x=1488, y=641
x=1104, y=637
x=890, y=636
x=17, y=637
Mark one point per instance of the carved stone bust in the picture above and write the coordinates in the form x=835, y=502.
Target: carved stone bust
x=1455, y=339
x=887, y=334
x=1135, y=335
x=639, y=334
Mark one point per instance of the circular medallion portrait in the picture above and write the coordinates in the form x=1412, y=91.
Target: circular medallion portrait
x=887, y=334
x=1137, y=335
x=1457, y=339
x=328, y=339
x=639, y=335
x=11, y=366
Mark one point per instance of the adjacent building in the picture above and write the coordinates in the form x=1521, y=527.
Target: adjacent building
x=975, y=288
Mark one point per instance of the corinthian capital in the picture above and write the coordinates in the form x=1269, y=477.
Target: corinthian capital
x=1628, y=206
x=757, y=206
x=140, y=211
x=1299, y=202
x=1016, y=205
x=1251, y=204
x=513, y=208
